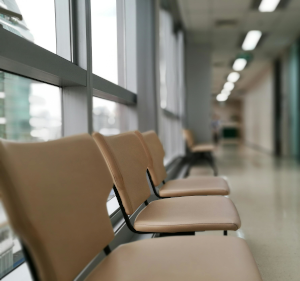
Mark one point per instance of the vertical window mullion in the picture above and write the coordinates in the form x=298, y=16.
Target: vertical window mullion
x=121, y=37
x=77, y=101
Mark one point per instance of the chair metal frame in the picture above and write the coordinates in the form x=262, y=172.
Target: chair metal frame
x=130, y=226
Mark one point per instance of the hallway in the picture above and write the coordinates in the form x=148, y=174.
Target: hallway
x=266, y=191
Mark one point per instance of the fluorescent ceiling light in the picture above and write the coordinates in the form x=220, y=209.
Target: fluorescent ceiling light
x=268, y=5
x=225, y=92
x=239, y=64
x=228, y=86
x=2, y=120
x=221, y=97
x=233, y=77
x=251, y=40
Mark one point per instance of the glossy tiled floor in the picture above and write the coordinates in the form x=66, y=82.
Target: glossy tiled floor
x=266, y=192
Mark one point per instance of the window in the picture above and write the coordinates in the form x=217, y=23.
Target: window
x=104, y=39
x=111, y=118
x=37, y=25
x=172, y=88
x=29, y=111
x=114, y=42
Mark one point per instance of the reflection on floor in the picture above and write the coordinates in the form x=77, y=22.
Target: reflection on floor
x=266, y=192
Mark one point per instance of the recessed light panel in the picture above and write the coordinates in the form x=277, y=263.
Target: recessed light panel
x=239, y=64
x=228, y=86
x=251, y=40
x=268, y=5
x=222, y=97
x=233, y=77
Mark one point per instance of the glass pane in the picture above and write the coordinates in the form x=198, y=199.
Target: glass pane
x=111, y=118
x=38, y=24
x=29, y=111
x=104, y=39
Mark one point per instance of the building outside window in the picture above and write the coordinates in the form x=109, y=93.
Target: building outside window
x=37, y=24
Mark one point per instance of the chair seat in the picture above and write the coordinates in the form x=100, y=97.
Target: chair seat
x=207, y=147
x=195, y=186
x=210, y=258
x=188, y=214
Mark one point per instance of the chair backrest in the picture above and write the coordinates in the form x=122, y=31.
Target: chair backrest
x=128, y=162
x=55, y=195
x=189, y=138
x=156, y=154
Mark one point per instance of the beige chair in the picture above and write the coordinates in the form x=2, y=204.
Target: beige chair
x=202, y=149
x=55, y=196
x=204, y=185
x=128, y=163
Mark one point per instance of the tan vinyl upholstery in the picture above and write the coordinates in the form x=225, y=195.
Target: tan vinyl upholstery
x=193, y=147
x=208, y=258
x=156, y=154
x=188, y=214
x=204, y=185
x=128, y=164
x=178, y=187
x=203, y=147
x=55, y=195
x=189, y=138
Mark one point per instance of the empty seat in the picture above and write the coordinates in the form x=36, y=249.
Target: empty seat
x=209, y=258
x=203, y=149
x=196, y=147
x=55, y=196
x=128, y=163
x=188, y=214
x=201, y=185
x=205, y=185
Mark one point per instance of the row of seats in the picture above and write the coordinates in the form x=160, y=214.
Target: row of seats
x=55, y=195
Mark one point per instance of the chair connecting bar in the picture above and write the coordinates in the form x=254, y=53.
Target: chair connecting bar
x=107, y=250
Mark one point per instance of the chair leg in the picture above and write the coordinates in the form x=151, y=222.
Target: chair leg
x=211, y=160
x=225, y=232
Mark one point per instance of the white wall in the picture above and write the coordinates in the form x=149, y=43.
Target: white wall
x=258, y=113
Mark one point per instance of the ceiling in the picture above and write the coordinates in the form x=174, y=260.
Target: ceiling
x=281, y=28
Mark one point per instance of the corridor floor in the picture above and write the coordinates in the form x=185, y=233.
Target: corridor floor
x=266, y=192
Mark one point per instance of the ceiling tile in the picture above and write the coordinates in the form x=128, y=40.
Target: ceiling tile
x=281, y=28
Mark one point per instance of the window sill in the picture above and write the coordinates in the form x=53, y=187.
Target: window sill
x=112, y=206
